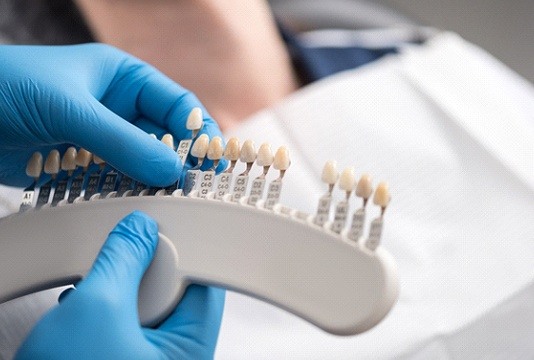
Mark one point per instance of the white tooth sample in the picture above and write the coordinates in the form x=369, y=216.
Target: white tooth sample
x=83, y=158
x=330, y=173
x=68, y=162
x=98, y=160
x=265, y=155
x=194, y=120
x=248, y=152
x=281, y=159
x=382, y=196
x=364, y=189
x=232, y=149
x=168, y=140
x=35, y=165
x=200, y=146
x=52, y=163
x=215, y=148
x=347, y=180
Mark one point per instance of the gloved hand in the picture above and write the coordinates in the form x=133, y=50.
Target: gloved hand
x=99, y=319
x=96, y=97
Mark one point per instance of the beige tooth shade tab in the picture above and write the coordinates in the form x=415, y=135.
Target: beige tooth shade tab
x=330, y=173
x=215, y=148
x=248, y=152
x=382, y=196
x=232, y=149
x=168, y=140
x=364, y=189
x=52, y=162
x=265, y=155
x=347, y=180
x=68, y=162
x=194, y=120
x=281, y=159
x=98, y=160
x=83, y=158
x=35, y=165
x=200, y=146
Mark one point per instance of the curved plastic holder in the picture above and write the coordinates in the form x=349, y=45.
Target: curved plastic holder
x=277, y=256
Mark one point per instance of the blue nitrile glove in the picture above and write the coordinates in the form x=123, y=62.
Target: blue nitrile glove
x=96, y=97
x=99, y=319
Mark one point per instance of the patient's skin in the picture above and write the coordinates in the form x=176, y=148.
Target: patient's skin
x=228, y=52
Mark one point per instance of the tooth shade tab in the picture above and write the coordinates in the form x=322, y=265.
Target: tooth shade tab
x=248, y=152
x=347, y=180
x=382, y=196
x=153, y=136
x=200, y=146
x=98, y=160
x=83, y=158
x=265, y=155
x=215, y=148
x=364, y=189
x=330, y=173
x=194, y=120
x=68, y=162
x=35, y=165
x=52, y=162
x=281, y=159
x=168, y=140
x=232, y=149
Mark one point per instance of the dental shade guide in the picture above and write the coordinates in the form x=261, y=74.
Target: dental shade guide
x=277, y=254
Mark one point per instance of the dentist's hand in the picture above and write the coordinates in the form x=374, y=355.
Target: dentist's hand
x=96, y=97
x=99, y=319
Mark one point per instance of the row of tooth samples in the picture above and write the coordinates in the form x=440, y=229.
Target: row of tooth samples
x=203, y=182
x=80, y=175
x=71, y=180
x=363, y=189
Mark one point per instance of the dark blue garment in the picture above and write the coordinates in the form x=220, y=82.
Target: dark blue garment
x=314, y=63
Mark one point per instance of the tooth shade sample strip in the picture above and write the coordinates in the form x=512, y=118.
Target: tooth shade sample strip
x=329, y=176
x=265, y=159
x=207, y=178
x=224, y=180
x=33, y=170
x=194, y=123
x=248, y=156
x=281, y=162
x=198, y=150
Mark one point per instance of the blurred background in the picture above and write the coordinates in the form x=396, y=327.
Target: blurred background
x=504, y=28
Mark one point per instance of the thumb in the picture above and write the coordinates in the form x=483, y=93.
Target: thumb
x=123, y=259
x=126, y=147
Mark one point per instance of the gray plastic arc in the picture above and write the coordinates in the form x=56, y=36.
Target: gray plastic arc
x=338, y=285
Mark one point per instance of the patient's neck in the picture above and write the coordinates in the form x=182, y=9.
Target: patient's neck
x=228, y=52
